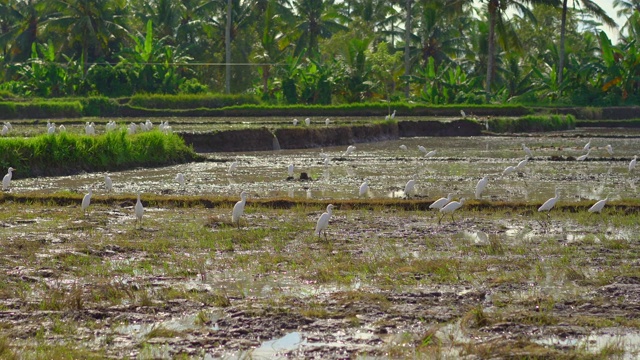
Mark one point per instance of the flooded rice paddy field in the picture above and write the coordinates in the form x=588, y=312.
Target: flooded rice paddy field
x=31, y=127
x=386, y=283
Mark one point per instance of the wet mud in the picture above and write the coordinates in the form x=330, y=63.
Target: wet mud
x=495, y=280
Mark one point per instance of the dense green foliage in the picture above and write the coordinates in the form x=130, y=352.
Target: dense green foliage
x=40, y=109
x=190, y=101
x=532, y=123
x=67, y=153
x=321, y=52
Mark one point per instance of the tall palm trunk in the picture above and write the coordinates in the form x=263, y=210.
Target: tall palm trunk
x=227, y=50
x=563, y=30
x=491, y=49
x=407, y=38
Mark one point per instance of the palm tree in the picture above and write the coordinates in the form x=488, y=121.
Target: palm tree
x=591, y=8
x=628, y=8
x=166, y=16
x=315, y=19
x=91, y=23
x=20, y=25
x=495, y=11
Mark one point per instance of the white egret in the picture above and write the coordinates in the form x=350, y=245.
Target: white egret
x=549, y=204
x=327, y=121
x=422, y=149
x=62, y=128
x=350, y=149
x=139, y=209
x=527, y=150
x=632, y=164
x=9, y=125
x=180, y=179
x=450, y=208
x=587, y=146
x=232, y=167
x=89, y=129
x=290, y=170
x=86, y=200
x=6, y=180
x=464, y=115
x=609, y=149
x=393, y=115
x=132, y=128
x=5, y=130
x=238, y=209
x=481, y=185
x=582, y=157
x=108, y=184
x=307, y=121
x=51, y=129
x=598, y=206
x=508, y=170
x=522, y=163
x=323, y=221
x=430, y=153
x=440, y=203
x=295, y=122
x=403, y=147
x=410, y=187
x=364, y=188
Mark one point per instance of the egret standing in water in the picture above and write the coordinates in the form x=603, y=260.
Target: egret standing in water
x=549, y=204
x=609, y=149
x=632, y=164
x=108, y=184
x=6, y=180
x=587, y=146
x=238, y=209
x=323, y=222
x=598, y=206
x=450, y=208
x=508, y=170
x=86, y=200
x=583, y=157
x=364, y=188
x=350, y=149
x=522, y=163
x=180, y=179
x=295, y=122
x=139, y=210
x=307, y=121
x=430, y=153
x=232, y=167
x=290, y=170
x=481, y=185
x=527, y=150
x=440, y=203
x=410, y=187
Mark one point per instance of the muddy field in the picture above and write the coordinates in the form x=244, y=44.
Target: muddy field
x=388, y=282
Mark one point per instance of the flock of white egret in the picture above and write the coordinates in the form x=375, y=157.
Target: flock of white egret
x=445, y=205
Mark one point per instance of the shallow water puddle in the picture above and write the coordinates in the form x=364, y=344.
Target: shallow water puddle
x=628, y=342
x=270, y=349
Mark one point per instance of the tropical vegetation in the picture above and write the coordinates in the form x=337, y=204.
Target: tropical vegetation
x=436, y=52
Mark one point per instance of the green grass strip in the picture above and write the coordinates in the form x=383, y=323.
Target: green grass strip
x=67, y=153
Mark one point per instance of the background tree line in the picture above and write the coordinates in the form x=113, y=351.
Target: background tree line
x=321, y=52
